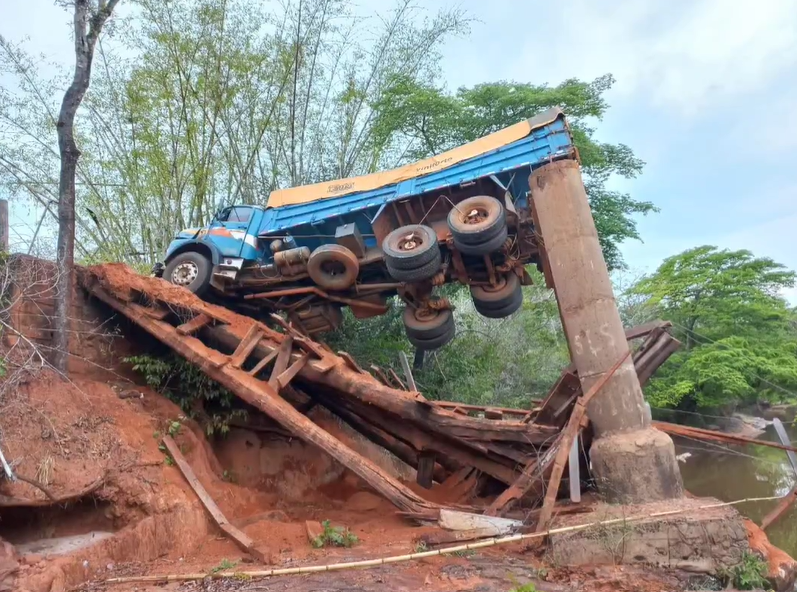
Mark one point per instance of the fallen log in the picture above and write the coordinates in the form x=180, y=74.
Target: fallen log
x=366, y=389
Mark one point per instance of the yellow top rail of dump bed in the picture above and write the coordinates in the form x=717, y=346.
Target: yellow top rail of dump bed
x=327, y=189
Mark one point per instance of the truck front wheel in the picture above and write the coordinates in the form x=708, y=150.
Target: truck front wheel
x=189, y=270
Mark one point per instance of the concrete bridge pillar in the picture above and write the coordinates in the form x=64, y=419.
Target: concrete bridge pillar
x=632, y=461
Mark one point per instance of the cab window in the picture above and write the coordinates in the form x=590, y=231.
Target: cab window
x=239, y=214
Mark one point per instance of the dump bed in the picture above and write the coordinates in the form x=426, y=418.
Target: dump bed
x=508, y=155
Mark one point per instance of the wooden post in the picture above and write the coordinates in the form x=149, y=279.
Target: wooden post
x=405, y=365
x=4, y=241
x=784, y=438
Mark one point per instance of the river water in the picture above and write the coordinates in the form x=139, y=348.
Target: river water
x=730, y=472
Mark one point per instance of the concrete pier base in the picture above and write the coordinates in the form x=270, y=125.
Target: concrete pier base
x=701, y=541
x=636, y=467
x=633, y=462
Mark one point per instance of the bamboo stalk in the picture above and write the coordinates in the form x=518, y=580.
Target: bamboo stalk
x=286, y=571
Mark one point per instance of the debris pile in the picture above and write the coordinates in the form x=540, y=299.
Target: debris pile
x=464, y=449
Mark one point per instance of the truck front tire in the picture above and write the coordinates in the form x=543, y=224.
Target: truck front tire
x=190, y=270
x=412, y=253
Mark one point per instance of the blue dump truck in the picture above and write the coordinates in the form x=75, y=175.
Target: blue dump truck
x=462, y=216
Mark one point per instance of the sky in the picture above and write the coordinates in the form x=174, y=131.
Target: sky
x=706, y=95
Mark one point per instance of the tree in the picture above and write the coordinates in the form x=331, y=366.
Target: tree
x=430, y=120
x=88, y=22
x=739, y=336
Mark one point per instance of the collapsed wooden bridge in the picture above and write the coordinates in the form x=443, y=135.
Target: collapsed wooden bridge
x=283, y=373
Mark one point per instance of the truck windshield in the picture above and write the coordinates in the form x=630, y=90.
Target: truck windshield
x=235, y=214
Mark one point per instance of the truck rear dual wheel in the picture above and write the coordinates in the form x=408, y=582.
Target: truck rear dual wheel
x=497, y=302
x=190, y=270
x=429, y=329
x=478, y=225
x=412, y=253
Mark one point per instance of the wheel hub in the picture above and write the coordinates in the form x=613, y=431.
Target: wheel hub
x=410, y=242
x=500, y=284
x=475, y=216
x=185, y=273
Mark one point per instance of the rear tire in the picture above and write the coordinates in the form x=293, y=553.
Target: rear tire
x=499, y=301
x=489, y=246
x=410, y=247
x=476, y=220
x=429, y=332
x=189, y=270
x=424, y=272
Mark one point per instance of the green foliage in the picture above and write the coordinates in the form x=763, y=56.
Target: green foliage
x=199, y=396
x=224, y=565
x=491, y=362
x=750, y=574
x=425, y=120
x=335, y=536
x=529, y=587
x=739, y=336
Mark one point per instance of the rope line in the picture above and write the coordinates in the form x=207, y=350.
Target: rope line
x=422, y=555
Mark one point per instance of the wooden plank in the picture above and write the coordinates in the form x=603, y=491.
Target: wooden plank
x=567, y=439
x=194, y=325
x=285, y=378
x=246, y=347
x=405, y=366
x=644, y=329
x=492, y=413
x=781, y=508
x=444, y=537
x=366, y=389
x=240, y=538
x=455, y=520
x=283, y=359
x=259, y=394
x=574, y=474
x=264, y=361
x=380, y=375
x=350, y=362
x=784, y=438
x=711, y=435
x=395, y=380
x=425, y=475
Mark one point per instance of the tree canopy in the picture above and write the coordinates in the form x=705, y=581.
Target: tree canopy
x=739, y=336
x=416, y=120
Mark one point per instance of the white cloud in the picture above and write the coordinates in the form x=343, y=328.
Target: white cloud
x=681, y=55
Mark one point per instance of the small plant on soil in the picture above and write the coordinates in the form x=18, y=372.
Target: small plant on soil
x=224, y=565
x=750, y=574
x=174, y=428
x=524, y=588
x=420, y=547
x=335, y=536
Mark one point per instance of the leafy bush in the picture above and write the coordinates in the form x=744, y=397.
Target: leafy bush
x=335, y=536
x=199, y=396
x=502, y=362
x=750, y=574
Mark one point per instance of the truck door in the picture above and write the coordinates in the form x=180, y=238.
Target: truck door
x=229, y=232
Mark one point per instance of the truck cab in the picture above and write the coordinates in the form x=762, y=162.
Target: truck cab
x=462, y=216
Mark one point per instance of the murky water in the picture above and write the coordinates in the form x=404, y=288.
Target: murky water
x=730, y=473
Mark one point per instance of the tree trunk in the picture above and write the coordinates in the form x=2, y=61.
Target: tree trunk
x=87, y=29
